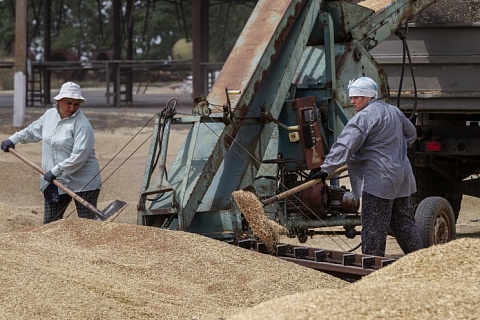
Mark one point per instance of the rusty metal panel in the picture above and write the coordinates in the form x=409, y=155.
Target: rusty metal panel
x=383, y=23
x=312, y=143
x=237, y=170
x=345, y=265
x=208, y=168
x=255, y=50
x=302, y=148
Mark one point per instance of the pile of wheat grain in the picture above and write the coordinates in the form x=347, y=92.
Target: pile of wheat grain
x=13, y=218
x=263, y=228
x=84, y=269
x=375, y=5
x=440, y=282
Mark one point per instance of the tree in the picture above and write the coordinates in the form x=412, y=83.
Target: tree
x=85, y=26
x=7, y=28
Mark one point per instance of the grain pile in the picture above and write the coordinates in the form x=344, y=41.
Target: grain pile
x=84, y=269
x=13, y=218
x=440, y=282
x=447, y=11
x=263, y=228
x=80, y=269
x=375, y=5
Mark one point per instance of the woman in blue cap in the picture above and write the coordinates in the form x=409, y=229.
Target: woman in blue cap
x=68, y=153
x=374, y=144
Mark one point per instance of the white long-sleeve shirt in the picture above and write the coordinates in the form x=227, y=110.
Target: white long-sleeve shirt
x=373, y=144
x=67, y=149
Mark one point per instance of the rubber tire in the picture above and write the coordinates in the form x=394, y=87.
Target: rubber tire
x=302, y=237
x=425, y=178
x=435, y=221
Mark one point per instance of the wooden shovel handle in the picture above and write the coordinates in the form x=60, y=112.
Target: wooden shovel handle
x=301, y=187
x=72, y=194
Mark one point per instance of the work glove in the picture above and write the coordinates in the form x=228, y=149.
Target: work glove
x=7, y=144
x=319, y=175
x=51, y=194
x=49, y=177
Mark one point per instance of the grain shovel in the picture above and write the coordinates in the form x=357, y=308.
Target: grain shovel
x=253, y=209
x=301, y=187
x=110, y=213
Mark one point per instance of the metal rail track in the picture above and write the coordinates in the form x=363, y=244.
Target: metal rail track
x=348, y=266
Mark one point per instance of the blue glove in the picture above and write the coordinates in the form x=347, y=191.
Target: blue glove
x=49, y=177
x=7, y=144
x=51, y=194
x=319, y=175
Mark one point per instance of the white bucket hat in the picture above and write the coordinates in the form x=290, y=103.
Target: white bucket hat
x=363, y=87
x=70, y=90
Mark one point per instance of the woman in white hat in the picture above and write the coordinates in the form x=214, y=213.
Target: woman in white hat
x=374, y=144
x=68, y=153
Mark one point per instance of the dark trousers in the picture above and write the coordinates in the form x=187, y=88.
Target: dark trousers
x=55, y=211
x=381, y=215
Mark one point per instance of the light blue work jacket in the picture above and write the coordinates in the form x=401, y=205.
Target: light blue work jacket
x=67, y=149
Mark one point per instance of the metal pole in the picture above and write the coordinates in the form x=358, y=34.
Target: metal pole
x=200, y=47
x=47, y=51
x=129, y=39
x=107, y=82
x=20, y=67
x=117, y=51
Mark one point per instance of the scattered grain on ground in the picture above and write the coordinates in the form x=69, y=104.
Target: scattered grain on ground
x=440, y=282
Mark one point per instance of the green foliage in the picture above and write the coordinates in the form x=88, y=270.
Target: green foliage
x=226, y=23
x=6, y=79
x=81, y=26
x=7, y=28
x=158, y=25
x=85, y=26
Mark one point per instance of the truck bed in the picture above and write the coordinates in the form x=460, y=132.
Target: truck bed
x=445, y=54
x=446, y=67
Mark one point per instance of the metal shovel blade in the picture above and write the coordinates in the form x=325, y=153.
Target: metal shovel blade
x=112, y=211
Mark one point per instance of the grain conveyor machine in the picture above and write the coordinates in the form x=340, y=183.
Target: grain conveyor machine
x=272, y=114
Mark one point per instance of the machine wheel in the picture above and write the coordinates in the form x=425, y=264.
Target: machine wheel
x=427, y=180
x=302, y=237
x=435, y=220
x=350, y=232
